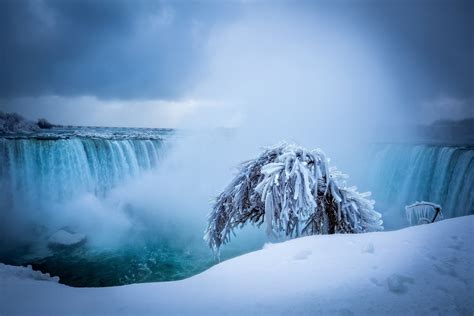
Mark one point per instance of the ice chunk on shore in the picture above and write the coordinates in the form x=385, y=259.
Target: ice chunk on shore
x=62, y=238
x=25, y=273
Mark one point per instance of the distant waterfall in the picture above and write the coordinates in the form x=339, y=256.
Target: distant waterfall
x=403, y=174
x=41, y=171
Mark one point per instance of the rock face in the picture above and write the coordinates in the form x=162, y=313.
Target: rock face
x=64, y=239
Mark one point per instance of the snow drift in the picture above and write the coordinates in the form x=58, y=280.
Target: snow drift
x=424, y=269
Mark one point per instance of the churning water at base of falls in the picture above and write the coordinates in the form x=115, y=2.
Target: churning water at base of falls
x=154, y=260
x=70, y=178
x=67, y=179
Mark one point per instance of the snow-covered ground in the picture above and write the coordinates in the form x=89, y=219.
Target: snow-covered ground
x=419, y=270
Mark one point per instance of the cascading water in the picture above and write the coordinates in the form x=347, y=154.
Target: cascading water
x=402, y=174
x=44, y=171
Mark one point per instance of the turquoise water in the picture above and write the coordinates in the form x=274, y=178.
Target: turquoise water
x=154, y=261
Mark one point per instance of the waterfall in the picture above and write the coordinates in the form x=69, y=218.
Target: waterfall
x=403, y=174
x=40, y=171
x=35, y=172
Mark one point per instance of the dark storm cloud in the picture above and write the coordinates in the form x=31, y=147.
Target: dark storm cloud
x=435, y=41
x=110, y=49
x=150, y=49
x=429, y=44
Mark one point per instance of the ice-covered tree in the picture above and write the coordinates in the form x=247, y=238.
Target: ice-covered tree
x=295, y=192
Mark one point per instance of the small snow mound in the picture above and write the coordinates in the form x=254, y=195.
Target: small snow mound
x=397, y=283
x=25, y=273
x=369, y=248
x=268, y=245
x=63, y=238
x=302, y=255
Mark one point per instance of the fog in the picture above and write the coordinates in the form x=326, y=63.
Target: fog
x=287, y=77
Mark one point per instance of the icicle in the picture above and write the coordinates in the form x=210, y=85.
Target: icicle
x=335, y=195
x=269, y=213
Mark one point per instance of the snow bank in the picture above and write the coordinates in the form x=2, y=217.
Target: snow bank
x=424, y=269
x=13, y=272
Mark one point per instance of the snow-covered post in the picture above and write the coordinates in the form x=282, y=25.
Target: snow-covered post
x=295, y=192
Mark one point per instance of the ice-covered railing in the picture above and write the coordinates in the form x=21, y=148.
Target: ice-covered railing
x=295, y=192
x=423, y=213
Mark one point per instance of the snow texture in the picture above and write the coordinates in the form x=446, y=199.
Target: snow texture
x=420, y=270
x=294, y=191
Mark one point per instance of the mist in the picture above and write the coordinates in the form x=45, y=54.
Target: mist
x=283, y=75
x=288, y=77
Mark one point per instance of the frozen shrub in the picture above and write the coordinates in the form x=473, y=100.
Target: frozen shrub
x=294, y=192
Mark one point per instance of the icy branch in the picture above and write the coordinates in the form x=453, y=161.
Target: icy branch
x=295, y=192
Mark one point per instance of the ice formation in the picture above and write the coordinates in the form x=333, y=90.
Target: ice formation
x=294, y=191
x=25, y=273
x=62, y=239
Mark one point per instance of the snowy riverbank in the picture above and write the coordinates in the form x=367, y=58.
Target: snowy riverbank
x=419, y=270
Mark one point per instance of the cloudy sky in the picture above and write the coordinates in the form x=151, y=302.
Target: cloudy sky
x=172, y=64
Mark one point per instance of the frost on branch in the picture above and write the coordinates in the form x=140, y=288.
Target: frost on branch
x=294, y=192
